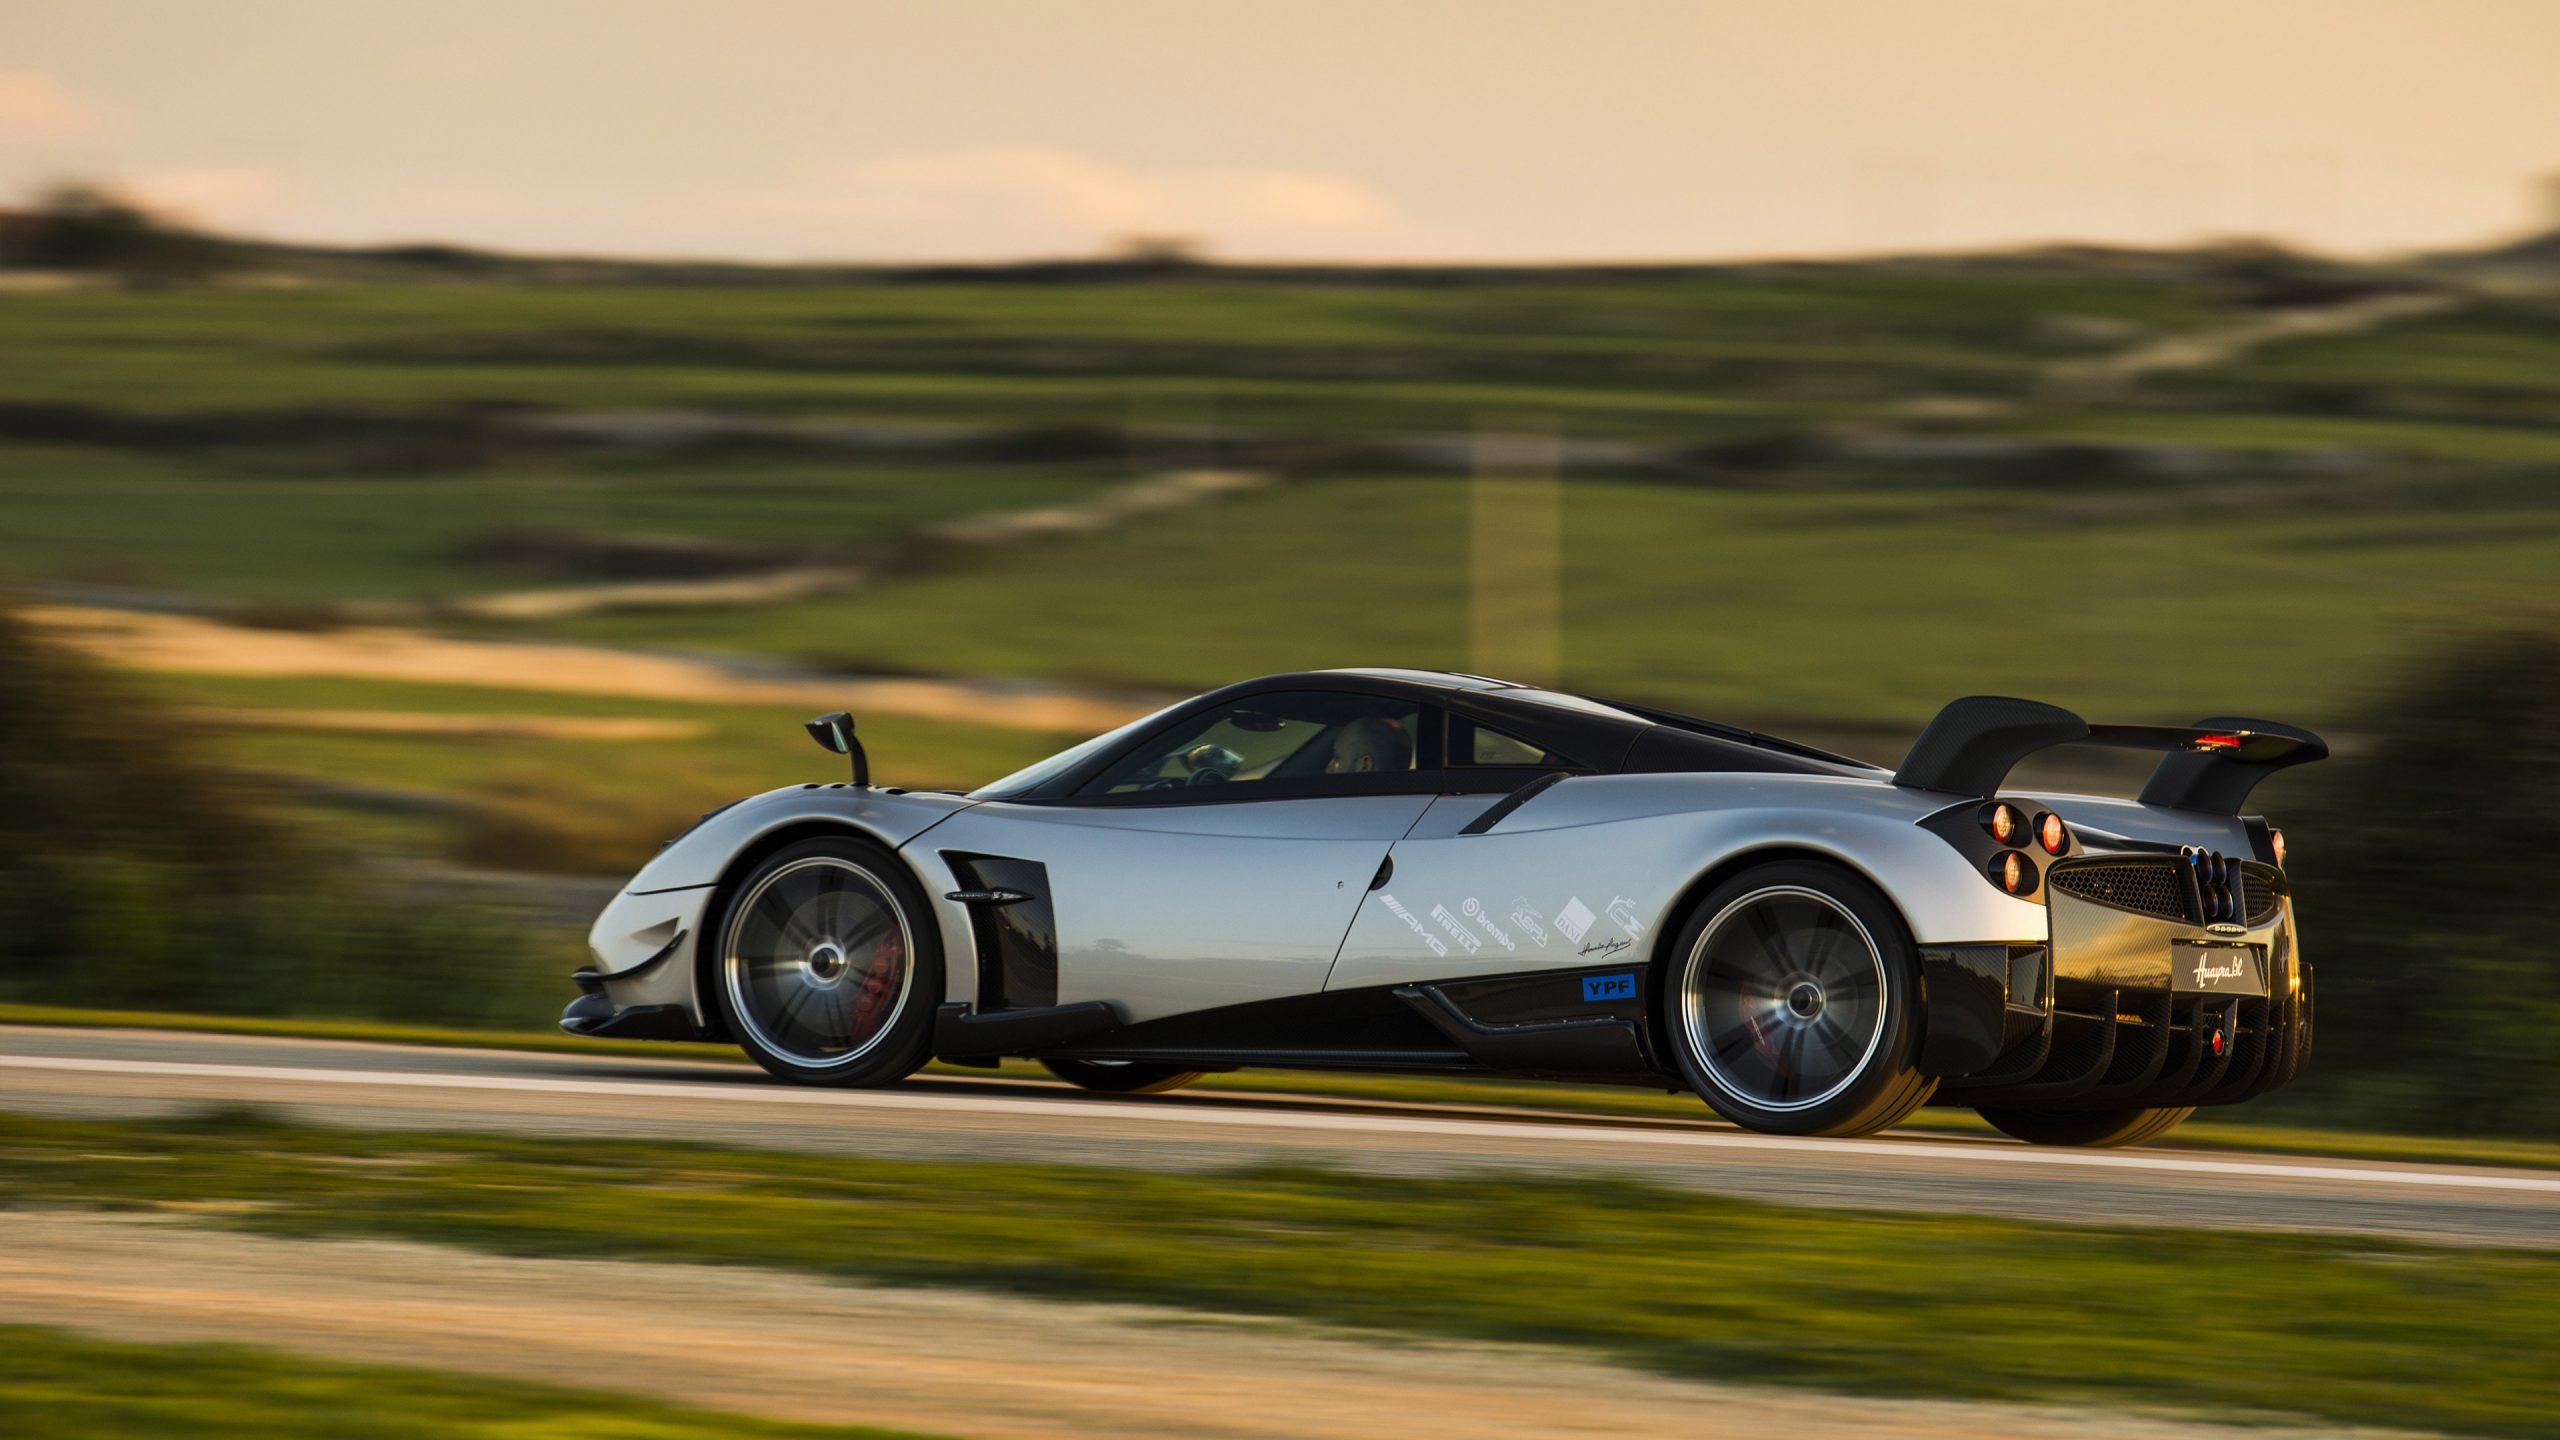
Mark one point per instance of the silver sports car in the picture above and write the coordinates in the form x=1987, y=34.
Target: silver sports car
x=1397, y=870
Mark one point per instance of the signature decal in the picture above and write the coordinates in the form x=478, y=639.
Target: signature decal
x=1603, y=947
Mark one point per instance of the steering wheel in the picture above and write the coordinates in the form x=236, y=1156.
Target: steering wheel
x=1211, y=764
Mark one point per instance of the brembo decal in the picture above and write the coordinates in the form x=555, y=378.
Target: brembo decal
x=1623, y=910
x=1596, y=988
x=1531, y=920
x=1575, y=919
x=1474, y=910
x=1457, y=931
x=1396, y=908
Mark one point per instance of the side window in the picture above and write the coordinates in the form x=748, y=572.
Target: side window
x=1291, y=735
x=1471, y=743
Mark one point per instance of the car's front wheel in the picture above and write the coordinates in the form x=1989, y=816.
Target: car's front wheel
x=2084, y=1127
x=828, y=966
x=1121, y=1077
x=1792, y=1003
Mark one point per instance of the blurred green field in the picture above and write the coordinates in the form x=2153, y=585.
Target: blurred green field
x=561, y=804
x=1851, y=493
x=222, y=527
x=1869, y=605
x=1643, y=354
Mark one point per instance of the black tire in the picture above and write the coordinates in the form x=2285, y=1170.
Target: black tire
x=2083, y=1127
x=1791, y=1002
x=1121, y=1077
x=826, y=965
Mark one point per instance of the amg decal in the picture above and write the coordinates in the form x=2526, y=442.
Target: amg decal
x=1531, y=920
x=1474, y=910
x=1457, y=931
x=1575, y=919
x=1396, y=908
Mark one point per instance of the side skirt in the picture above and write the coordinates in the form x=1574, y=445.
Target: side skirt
x=1580, y=1024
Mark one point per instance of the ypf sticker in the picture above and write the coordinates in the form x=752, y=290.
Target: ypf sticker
x=1596, y=988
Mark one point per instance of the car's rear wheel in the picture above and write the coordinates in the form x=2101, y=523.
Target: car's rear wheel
x=1121, y=1077
x=1792, y=1003
x=828, y=966
x=2083, y=1127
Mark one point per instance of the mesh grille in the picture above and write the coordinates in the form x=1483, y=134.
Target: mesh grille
x=2146, y=887
x=2266, y=892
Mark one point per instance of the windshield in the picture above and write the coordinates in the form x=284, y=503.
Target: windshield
x=1035, y=773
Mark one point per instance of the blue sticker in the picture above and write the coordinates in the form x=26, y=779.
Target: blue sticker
x=1608, y=987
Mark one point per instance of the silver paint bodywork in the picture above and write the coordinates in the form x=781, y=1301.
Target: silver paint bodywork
x=1164, y=909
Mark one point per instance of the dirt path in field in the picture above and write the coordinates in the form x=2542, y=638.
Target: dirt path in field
x=2083, y=379
x=1151, y=495
x=439, y=722
x=947, y=1362
x=194, y=645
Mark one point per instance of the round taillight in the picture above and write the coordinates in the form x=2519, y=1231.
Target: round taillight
x=2275, y=843
x=2005, y=824
x=2052, y=834
x=2014, y=873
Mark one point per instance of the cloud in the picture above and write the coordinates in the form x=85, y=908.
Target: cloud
x=216, y=199
x=1020, y=201
x=33, y=107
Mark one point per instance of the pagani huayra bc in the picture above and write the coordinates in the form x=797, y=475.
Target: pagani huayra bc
x=1432, y=873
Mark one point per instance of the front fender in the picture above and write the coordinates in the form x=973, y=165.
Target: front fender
x=701, y=855
x=645, y=940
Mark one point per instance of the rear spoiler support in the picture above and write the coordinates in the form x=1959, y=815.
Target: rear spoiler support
x=2210, y=767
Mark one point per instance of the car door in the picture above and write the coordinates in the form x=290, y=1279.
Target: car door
x=1219, y=861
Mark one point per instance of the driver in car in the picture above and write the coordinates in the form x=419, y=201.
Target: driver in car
x=1370, y=743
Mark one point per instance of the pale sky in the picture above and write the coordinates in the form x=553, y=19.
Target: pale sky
x=1290, y=129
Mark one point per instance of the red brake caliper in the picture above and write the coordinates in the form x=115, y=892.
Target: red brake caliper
x=880, y=985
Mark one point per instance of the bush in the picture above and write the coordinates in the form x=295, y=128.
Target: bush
x=142, y=875
x=81, y=227
x=2423, y=867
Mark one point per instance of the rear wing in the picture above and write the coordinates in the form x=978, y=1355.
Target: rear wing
x=2211, y=766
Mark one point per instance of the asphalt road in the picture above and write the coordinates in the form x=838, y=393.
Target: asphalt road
x=111, y=1072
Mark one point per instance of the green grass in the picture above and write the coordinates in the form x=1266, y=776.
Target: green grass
x=569, y=804
x=55, y=1386
x=1958, y=1305
x=2235, y=1130
x=222, y=529
x=1871, y=602
x=2495, y=444
x=1628, y=353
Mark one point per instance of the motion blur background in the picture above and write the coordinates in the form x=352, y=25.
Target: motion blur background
x=445, y=448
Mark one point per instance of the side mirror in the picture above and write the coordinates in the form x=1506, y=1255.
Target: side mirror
x=834, y=733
